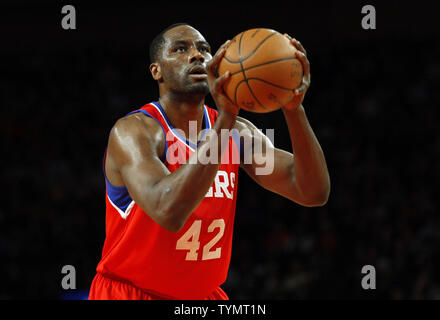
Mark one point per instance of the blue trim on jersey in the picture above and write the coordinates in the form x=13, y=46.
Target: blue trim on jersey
x=118, y=195
x=189, y=143
x=163, y=157
x=206, y=127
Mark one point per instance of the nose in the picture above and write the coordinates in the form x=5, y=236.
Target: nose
x=196, y=55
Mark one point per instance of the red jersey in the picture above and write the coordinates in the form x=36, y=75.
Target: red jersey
x=191, y=263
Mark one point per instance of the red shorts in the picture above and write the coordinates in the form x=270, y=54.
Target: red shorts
x=105, y=288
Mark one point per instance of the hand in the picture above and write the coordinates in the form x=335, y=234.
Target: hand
x=299, y=93
x=223, y=103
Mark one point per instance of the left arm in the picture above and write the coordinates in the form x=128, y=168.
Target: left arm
x=302, y=176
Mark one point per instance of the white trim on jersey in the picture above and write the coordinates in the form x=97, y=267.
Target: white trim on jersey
x=123, y=214
x=207, y=115
x=170, y=128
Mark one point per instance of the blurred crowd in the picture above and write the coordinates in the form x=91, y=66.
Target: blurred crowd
x=373, y=107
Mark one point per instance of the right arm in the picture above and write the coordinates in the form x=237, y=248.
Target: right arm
x=133, y=156
x=134, y=161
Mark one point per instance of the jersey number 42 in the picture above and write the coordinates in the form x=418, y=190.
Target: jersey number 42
x=190, y=240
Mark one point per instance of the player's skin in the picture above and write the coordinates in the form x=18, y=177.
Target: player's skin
x=136, y=142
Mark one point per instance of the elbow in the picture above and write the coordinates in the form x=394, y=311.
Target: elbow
x=166, y=214
x=174, y=226
x=318, y=199
x=166, y=217
x=171, y=218
x=169, y=221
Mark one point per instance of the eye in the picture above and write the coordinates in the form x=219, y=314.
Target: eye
x=205, y=49
x=179, y=49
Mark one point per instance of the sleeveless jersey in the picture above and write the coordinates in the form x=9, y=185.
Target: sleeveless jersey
x=190, y=263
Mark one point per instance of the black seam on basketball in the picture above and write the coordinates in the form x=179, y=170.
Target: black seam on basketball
x=265, y=63
x=244, y=74
x=236, y=89
x=272, y=84
x=252, y=53
x=235, y=94
x=230, y=61
x=256, y=31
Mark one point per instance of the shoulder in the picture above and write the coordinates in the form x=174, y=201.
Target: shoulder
x=135, y=124
x=137, y=129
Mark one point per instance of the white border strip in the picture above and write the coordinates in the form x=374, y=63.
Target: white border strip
x=207, y=116
x=123, y=214
x=170, y=129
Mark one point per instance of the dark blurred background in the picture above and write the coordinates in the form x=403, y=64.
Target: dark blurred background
x=373, y=105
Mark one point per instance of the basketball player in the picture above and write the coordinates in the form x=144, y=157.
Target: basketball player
x=169, y=225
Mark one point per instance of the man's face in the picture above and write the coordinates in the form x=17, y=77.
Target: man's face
x=183, y=61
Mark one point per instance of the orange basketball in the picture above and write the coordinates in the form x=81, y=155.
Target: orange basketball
x=264, y=70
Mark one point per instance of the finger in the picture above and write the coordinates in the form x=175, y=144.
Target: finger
x=299, y=46
x=296, y=43
x=305, y=84
x=218, y=56
x=226, y=44
x=212, y=65
x=301, y=89
x=218, y=84
x=304, y=61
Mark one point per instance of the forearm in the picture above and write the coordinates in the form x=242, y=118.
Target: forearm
x=310, y=168
x=181, y=192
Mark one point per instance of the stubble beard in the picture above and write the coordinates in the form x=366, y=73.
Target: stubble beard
x=190, y=89
x=185, y=88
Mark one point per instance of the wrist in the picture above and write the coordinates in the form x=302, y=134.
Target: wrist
x=292, y=110
x=226, y=120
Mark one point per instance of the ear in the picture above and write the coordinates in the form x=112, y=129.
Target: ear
x=156, y=71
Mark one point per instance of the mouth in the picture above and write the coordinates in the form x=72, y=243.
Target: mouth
x=198, y=72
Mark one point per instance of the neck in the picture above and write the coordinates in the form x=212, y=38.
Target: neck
x=181, y=110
